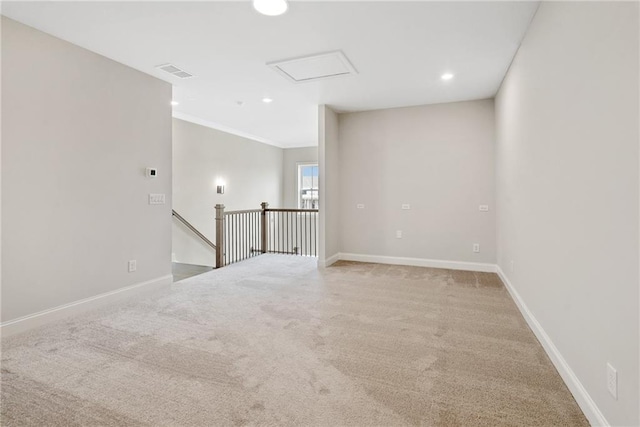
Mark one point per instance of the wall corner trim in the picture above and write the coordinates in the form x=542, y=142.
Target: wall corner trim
x=420, y=262
x=580, y=394
x=329, y=261
x=24, y=323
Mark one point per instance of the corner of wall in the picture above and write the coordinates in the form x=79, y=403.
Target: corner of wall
x=329, y=169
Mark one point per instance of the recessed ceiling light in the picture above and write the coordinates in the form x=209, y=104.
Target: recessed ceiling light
x=271, y=7
x=174, y=103
x=446, y=76
x=267, y=100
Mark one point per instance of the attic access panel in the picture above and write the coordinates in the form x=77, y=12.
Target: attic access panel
x=314, y=67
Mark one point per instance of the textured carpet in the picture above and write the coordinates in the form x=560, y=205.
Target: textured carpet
x=274, y=341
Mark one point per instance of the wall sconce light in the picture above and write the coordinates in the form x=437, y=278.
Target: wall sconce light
x=271, y=7
x=220, y=187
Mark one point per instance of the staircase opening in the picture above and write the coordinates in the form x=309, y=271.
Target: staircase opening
x=248, y=233
x=243, y=234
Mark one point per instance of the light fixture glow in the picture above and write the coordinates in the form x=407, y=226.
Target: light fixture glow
x=220, y=186
x=267, y=100
x=174, y=103
x=446, y=76
x=271, y=7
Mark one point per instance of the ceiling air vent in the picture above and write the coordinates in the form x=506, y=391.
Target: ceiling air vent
x=172, y=69
x=315, y=67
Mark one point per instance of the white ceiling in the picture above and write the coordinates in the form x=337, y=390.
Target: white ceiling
x=399, y=49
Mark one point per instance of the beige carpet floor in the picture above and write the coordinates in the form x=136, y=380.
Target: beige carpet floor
x=274, y=341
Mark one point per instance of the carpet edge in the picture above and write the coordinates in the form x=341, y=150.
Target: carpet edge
x=580, y=394
x=30, y=321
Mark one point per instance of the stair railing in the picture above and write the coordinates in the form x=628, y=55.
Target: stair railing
x=194, y=230
x=248, y=233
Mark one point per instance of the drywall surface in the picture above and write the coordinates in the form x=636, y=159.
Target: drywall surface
x=439, y=160
x=78, y=132
x=330, y=186
x=1, y=21
x=292, y=158
x=251, y=171
x=567, y=175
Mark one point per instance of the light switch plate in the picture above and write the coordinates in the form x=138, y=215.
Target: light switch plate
x=156, y=199
x=484, y=208
x=406, y=207
x=360, y=206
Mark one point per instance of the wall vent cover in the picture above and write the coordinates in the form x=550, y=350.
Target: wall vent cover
x=173, y=70
x=314, y=67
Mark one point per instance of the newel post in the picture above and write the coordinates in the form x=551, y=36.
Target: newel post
x=263, y=220
x=219, y=236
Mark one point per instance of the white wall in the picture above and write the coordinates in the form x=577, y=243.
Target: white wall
x=330, y=186
x=567, y=164
x=252, y=172
x=78, y=131
x=437, y=158
x=1, y=21
x=293, y=157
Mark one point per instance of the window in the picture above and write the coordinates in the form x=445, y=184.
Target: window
x=308, y=186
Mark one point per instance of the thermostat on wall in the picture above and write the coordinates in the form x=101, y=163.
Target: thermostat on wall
x=152, y=172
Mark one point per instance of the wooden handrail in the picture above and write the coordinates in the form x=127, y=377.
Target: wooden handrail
x=289, y=210
x=241, y=212
x=193, y=229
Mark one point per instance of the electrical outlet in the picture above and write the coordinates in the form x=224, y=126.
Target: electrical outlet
x=133, y=265
x=406, y=207
x=399, y=234
x=360, y=206
x=612, y=381
x=484, y=208
x=476, y=247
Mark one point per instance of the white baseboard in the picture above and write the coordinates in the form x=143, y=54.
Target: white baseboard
x=420, y=262
x=580, y=394
x=327, y=262
x=21, y=324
